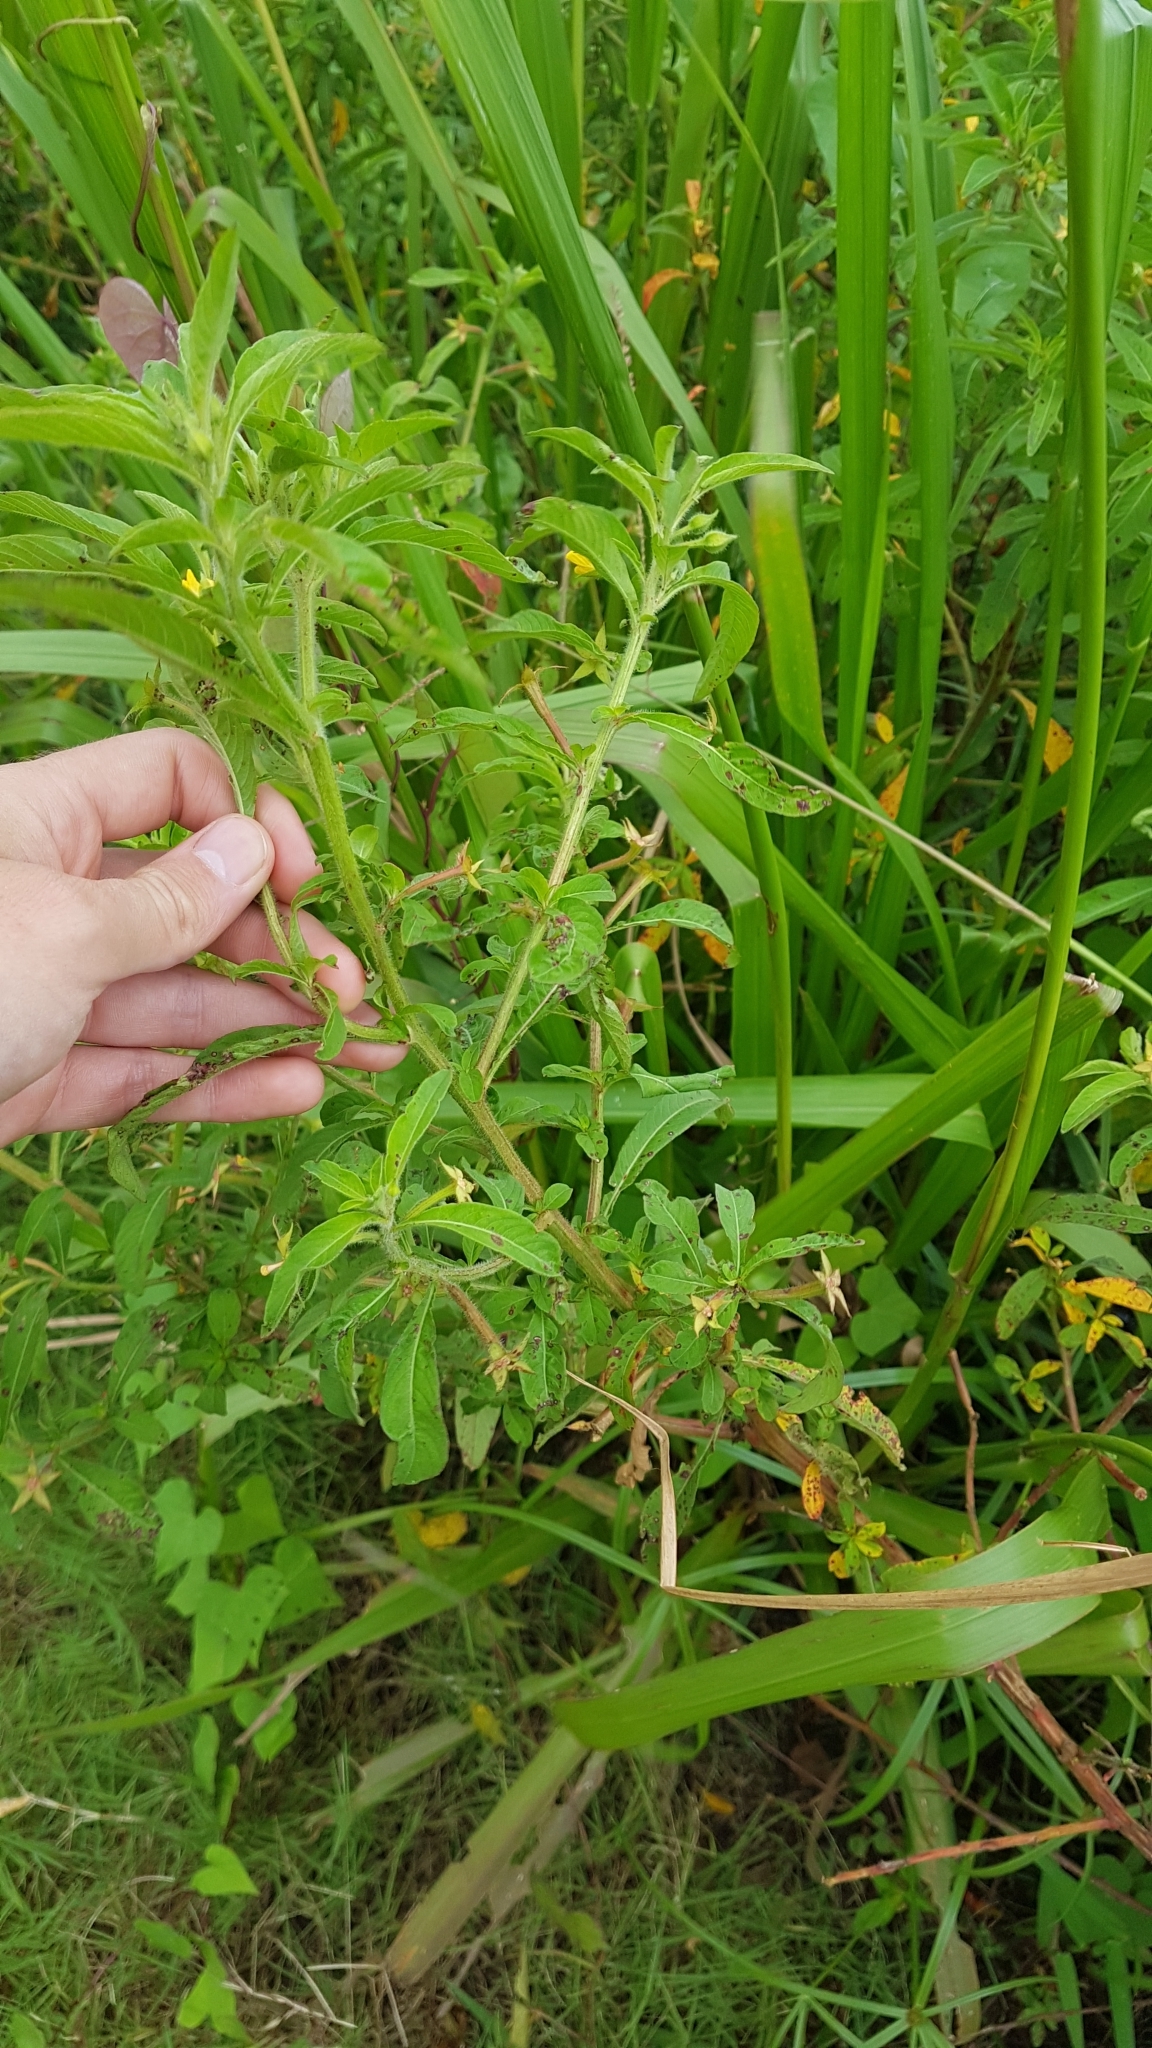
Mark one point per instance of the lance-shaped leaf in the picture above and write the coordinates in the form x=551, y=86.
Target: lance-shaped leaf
x=694, y=917
x=461, y=541
x=158, y=627
x=317, y=1249
x=206, y=335
x=533, y=625
x=410, y=1400
x=411, y=1125
x=738, y=626
x=24, y=1352
x=81, y=418
x=499, y=1231
x=668, y=1117
x=267, y=371
x=595, y=534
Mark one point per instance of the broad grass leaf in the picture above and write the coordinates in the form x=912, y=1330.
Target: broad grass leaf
x=410, y=1401
x=870, y=1649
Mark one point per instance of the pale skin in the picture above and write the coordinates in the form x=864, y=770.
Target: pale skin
x=96, y=976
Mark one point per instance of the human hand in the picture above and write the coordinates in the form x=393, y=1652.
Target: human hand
x=96, y=938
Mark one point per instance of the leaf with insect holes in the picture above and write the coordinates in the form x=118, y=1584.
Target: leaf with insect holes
x=694, y=917
x=410, y=1400
x=1122, y=1293
x=499, y=1231
x=1022, y=1297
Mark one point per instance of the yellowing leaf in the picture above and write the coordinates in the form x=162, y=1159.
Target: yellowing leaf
x=1124, y=1292
x=657, y=282
x=1058, y=745
x=1044, y=1367
x=440, y=1532
x=339, y=128
x=890, y=797
x=517, y=1577
x=715, y=1804
x=829, y=411
x=715, y=948
x=654, y=935
x=892, y=424
x=885, y=730
x=838, y=1565
x=812, y=1491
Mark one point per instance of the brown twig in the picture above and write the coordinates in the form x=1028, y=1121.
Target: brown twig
x=1123, y=1406
x=271, y=1708
x=1009, y=1677
x=530, y=684
x=716, y=1053
x=956, y=1851
x=1071, y=1405
x=970, y=1454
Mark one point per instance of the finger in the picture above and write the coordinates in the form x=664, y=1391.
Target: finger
x=96, y=1085
x=248, y=938
x=188, y=1007
x=61, y=809
x=296, y=861
x=172, y=907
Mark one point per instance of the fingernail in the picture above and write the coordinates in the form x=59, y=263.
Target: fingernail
x=237, y=849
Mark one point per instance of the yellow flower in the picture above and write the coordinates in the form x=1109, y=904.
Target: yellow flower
x=196, y=585
x=581, y=564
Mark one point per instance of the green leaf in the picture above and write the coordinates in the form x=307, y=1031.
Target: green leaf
x=168, y=1940
x=267, y=371
x=24, y=2032
x=668, y=1117
x=211, y=2001
x=489, y=70
x=736, y=1208
x=738, y=627
x=257, y=1519
x=732, y=469
x=1100, y=1095
x=310, y=1590
x=89, y=418
x=222, y=1875
x=1053, y=1210
x=593, y=532
x=206, y=335
x=694, y=917
x=1022, y=1297
x=24, y=1354
x=410, y=1126
x=500, y=1231
x=410, y=1400
x=184, y=1533
x=229, y=1623
x=460, y=541
x=160, y=628
x=109, y=657
x=318, y=1248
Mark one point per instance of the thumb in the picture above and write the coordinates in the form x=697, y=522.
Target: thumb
x=177, y=905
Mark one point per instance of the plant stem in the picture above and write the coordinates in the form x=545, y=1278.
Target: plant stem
x=1082, y=62
x=586, y=782
x=1053, y=640
x=595, y=1166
